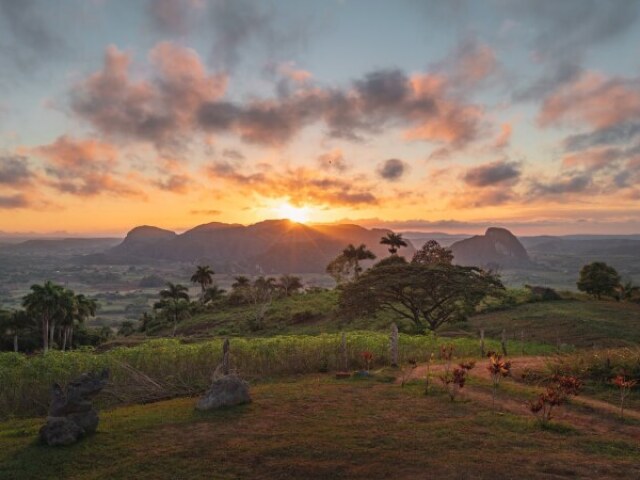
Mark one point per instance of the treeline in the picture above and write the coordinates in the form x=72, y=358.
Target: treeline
x=52, y=317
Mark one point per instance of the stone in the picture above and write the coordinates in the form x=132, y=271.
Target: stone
x=71, y=414
x=226, y=391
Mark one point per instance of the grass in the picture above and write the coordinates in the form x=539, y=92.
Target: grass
x=315, y=427
x=163, y=368
x=581, y=323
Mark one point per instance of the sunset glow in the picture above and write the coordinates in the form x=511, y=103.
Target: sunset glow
x=200, y=111
x=295, y=214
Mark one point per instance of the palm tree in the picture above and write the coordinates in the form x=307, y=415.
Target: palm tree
x=175, y=300
x=354, y=255
x=66, y=316
x=44, y=301
x=241, y=282
x=85, y=308
x=15, y=321
x=289, y=284
x=203, y=276
x=394, y=240
x=212, y=294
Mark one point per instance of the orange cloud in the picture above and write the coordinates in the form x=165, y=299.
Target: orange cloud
x=594, y=100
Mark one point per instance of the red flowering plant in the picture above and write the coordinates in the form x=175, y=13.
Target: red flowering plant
x=453, y=380
x=498, y=368
x=368, y=359
x=556, y=394
x=625, y=385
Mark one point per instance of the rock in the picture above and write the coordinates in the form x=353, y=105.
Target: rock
x=497, y=247
x=226, y=391
x=71, y=415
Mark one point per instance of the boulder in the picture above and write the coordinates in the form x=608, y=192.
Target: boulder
x=71, y=414
x=226, y=391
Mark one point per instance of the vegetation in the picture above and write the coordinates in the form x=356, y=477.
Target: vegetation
x=174, y=303
x=598, y=279
x=203, y=276
x=346, y=266
x=429, y=295
x=394, y=241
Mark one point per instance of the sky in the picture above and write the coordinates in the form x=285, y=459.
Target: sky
x=417, y=115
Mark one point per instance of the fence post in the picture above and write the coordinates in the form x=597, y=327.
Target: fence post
x=343, y=352
x=394, y=345
x=482, y=342
x=503, y=341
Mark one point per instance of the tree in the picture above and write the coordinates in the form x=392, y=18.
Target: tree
x=627, y=291
x=126, y=328
x=85, y=308
x=204, y=277
x=427, y=295
x=15, y=322
x=174, y=301
x=598, y=279
x=240, y=282
x=44, y=301
x=289, y=284
x=354, y=255
x=260, y=295
x=394, y=240
x=212, y=294
x=432, y=253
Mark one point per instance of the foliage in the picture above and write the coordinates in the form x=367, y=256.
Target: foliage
x=185, y=368
x=432, y=253
x=428, y=295
x=598, y=279
x=394, y=241
x=203, y=276
x=498, y=368
x=453, y=380
x=556, y=394
x=126, y=328
x=346, y=266
x=367, y=357
x=289, y=284
x=174, y=302
x=624, y=385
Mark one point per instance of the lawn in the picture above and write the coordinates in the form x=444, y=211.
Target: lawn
x=315, y=427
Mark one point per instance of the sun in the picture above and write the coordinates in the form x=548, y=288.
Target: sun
x=295, y=214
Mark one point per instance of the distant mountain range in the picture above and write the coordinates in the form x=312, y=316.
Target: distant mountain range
x=272, y=246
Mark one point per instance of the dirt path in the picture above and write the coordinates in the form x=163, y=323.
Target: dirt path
x=602, y=419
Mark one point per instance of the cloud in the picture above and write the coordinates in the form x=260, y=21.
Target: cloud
x=14, y=201
x=14, y=170
x=333, y=160
x=175, y=183
x=232, y=154
x=32, y=38
x=205, y=212
x=593, y=159
x=470, y=65
x=83, y=167
x=300, y=185
x=567, y=184
x=392, y=169
x=563, y=32
x=160, y=110
x=498, y=172
x=622, y=133
x=593, y=100
x=485, y=197
x=172, y=17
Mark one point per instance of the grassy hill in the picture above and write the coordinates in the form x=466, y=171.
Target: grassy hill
x=315, y=427
x=578, y=321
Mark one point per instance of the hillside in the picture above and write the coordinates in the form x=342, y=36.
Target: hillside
x=272, y=246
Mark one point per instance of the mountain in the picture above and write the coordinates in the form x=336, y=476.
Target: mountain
x=59, y=246
x=497, y=246
x=271, y=246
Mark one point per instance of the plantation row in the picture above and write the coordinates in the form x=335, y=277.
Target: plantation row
x=165, y=368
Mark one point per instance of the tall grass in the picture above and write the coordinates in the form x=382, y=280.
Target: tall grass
x=599, y=366
x=166, y=367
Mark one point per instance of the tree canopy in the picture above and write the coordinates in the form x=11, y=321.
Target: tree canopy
x=394, y=241
x=432, y=253
x=428, y=295
x=598, y=279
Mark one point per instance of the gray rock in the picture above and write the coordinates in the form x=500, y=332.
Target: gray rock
x=226, y=391
x=71, y=415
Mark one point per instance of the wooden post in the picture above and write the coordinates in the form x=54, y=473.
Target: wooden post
x=225, y=357
x=343, y=352
x=522, y=341
x=394, y=345
x=482, y=353
x=503, y=341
